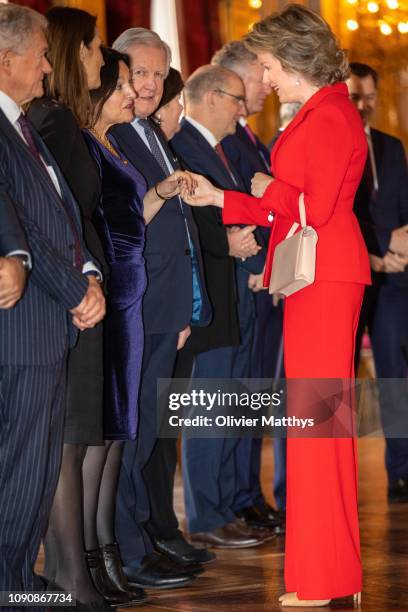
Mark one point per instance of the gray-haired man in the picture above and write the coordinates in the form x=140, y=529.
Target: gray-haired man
x=249, y=155
x=145, y=497
x=37, y=332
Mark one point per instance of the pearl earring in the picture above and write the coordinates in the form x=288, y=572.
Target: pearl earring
x=297, y=82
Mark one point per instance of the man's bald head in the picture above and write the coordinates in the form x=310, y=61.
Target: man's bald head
x=206, y=79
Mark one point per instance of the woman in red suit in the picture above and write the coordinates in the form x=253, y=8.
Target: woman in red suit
x=322, y=154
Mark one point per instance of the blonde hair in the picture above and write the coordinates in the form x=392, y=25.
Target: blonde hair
x=303, y=42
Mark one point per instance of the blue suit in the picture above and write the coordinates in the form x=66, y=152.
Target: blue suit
x=209, y=485
x=249, y=157
x=145, y=495
x=35, y=336
x=385, y=304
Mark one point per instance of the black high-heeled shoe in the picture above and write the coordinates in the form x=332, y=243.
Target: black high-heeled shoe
x=103, y=583
x=113, y=566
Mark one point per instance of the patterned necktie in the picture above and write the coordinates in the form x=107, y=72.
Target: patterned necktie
x=25, y=128
x=29, y=138
x=154, y=145
x=220, y=152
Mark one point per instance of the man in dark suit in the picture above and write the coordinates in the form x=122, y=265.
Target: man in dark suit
x=173, y=261
x=215, y=100
x=15, y=260
x=37, y=332
x=381, y=206
x=249, y=155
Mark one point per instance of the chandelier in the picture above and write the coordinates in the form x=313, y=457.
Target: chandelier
x=388, y=17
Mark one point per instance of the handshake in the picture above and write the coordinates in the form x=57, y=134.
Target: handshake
x=92, y=309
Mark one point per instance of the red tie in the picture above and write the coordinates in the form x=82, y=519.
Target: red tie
x=220, y=152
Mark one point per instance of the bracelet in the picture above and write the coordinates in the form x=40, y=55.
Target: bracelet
x=160, y=196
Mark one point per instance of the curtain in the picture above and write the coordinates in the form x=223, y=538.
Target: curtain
x=123, y=14
x=41, y=6
x=201, y=31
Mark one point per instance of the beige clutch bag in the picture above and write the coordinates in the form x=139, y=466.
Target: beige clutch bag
x=294, y=259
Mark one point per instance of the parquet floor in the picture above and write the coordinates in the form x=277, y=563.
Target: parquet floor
x=250, y=580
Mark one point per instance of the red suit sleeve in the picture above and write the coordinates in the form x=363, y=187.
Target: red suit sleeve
x=329, y=147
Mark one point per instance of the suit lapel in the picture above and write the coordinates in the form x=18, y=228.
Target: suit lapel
x=141, y=150
x=313, y=102
x=40, y=169
x=378, y=147
x=210, y=158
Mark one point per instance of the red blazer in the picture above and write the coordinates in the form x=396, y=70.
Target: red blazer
x=321, y=153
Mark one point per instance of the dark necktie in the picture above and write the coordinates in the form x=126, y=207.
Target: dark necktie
x=29, y=138
x=253, y=139
x=220, y=152
x=250, y=134
x=154, y=145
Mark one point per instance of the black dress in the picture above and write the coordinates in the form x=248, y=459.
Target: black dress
x=84, y=393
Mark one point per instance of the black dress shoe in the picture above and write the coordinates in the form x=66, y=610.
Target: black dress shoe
x=158, y=573
x=113, y=566
x=279, y=516
x=398, y=491
x=230, y=535
x=183, y=553
x=258, y=520
x=103, y=583
x=92, y=606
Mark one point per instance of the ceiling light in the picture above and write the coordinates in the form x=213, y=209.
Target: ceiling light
x=352, y=24
x=385, y=29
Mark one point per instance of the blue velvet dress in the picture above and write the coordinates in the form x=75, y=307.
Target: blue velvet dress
x=120, y=224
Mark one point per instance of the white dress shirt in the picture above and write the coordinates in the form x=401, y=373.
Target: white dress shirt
x=205, y=132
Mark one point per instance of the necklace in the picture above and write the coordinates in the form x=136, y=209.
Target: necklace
x=105, y=142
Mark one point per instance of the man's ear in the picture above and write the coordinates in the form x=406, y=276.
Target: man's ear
x=210, y=98
x=6, y=58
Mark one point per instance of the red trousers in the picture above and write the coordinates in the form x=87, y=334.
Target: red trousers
x=322, y=534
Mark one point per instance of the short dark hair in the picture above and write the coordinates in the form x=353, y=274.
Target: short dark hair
x=109, y=79
x=364, y=70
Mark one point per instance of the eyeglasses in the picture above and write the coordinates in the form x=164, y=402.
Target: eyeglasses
x=239, y=99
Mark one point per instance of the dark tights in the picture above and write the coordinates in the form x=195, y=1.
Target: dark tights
x=82, y=515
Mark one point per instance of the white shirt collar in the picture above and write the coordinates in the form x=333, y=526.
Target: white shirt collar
x=10, y=108
x=242, y=121
x=205, y=132
x=367, y=129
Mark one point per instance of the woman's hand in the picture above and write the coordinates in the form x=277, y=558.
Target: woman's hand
x=204, y=193
x=259, y=183
x=173, y=184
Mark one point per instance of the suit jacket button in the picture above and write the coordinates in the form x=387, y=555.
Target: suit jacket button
x=187, y=251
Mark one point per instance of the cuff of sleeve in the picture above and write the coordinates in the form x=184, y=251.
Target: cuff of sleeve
x=25, y=254
x=90, y=269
